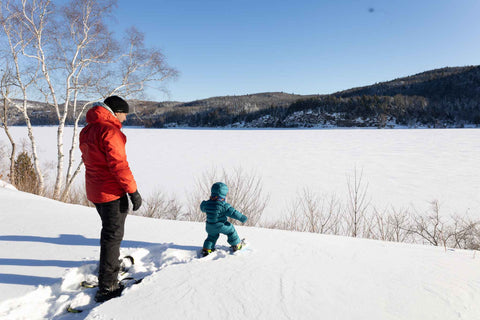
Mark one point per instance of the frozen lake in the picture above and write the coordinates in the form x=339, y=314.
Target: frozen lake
x=404, y=168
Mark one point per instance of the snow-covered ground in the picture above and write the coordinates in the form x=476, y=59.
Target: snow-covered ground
x=47, y=248
x=404, y=168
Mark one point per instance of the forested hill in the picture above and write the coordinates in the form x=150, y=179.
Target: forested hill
x=446, y=83
x=447, y=97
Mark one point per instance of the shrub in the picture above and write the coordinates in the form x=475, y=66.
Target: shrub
x=159, y=206
x=25, y=176
x=245, y=194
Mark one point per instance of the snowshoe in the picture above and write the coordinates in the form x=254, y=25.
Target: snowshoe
x=125, y=264
x=89, y=284
x=103, y=295
x=73, y=310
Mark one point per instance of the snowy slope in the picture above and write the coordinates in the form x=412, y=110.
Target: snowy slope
x=48, y=247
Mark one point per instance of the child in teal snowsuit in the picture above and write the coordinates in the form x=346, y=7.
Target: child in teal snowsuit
x=217, y=211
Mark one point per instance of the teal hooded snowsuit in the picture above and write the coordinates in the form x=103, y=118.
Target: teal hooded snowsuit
x=217, y=211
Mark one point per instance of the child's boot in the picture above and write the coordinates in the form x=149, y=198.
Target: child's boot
x=206, y=252
x=237, y=247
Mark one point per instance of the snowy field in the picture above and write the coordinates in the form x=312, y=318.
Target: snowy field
x=404, y=168
x=47, y=248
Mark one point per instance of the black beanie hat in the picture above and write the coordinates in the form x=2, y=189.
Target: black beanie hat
x=117, y=104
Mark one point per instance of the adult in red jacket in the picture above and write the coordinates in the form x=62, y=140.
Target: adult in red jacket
x=108, y=180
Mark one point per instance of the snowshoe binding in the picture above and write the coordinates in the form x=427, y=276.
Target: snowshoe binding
x=106, y=293
x=125, y=264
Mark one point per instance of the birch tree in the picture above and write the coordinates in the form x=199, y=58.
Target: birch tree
x=6, y=83
x=80, y=61
x=24, y=73
x=86, y=45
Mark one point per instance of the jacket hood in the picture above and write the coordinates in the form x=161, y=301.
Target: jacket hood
x=219, y=189
x=101, y=113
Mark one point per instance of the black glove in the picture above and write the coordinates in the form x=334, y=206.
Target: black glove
x=136, y=199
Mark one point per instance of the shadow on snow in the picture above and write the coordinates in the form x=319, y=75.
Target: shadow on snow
x=71, y=240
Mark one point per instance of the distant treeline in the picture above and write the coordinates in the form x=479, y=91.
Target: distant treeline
x=448, y=97
x=437, y=98
x=343, y=112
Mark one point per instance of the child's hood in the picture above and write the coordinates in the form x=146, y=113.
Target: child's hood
x=219, y=189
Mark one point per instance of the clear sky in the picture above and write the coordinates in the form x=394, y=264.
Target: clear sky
x=236, y=47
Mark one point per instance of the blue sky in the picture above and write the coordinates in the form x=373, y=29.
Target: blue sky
x=236, y=47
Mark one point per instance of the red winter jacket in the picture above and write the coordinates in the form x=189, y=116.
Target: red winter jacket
x=107, y=174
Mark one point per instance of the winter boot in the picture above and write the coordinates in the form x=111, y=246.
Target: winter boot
x=237, y=247
x=106, y=293
x=206, y=252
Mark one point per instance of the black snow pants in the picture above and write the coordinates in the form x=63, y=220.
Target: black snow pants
x=113, y=215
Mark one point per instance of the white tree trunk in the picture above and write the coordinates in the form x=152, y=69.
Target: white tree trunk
x=60, y=159
x=71, y=160
x=10, y=138
x=36, y=161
